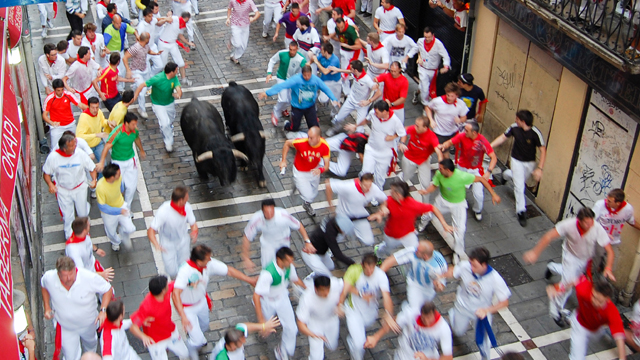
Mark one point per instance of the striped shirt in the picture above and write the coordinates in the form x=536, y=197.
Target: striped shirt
x=138, y=56
x=240, y=12
x=422, y=271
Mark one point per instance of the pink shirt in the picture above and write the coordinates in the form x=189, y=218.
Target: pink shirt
x=240, y=12
x=303, y=10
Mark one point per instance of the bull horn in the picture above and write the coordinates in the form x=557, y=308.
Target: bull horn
x=204, y=156
x=262, y=134
x=237, y=137
x=240, y=155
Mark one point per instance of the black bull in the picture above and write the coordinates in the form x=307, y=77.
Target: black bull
x=241, y=112
x=204, y=131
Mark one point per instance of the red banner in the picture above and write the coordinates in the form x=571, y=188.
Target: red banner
x=9, y=156
x=14, y=25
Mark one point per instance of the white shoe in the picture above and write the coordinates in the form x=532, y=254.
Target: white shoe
x=374, y=202
x=93, y=195
x=265, y=35
x=186, y=81
x=143, y=114
x=44, y=33
x=50, y=24
x=115, y=248
x=424, y=221
x=169, y=148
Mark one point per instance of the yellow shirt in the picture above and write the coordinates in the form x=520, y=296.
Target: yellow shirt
x=88, y=126
x=117, y=115
x=109, y=194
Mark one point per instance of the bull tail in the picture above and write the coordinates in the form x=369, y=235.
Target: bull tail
x=232, y=83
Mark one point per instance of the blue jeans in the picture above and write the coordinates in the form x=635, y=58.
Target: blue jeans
x=97, y=152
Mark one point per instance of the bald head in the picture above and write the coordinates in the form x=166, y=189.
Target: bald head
x=90, y=356
x=144, y=38
x=424, y=250
x=116, y=21
x=314, y=136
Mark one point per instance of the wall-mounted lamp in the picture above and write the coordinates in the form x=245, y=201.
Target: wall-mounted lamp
x=19, y=315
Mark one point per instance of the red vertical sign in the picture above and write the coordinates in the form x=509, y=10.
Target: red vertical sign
x=10, y=140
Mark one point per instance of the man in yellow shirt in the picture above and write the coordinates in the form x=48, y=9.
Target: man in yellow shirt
x=113, y=209
x=89, y=127
x=116, y=117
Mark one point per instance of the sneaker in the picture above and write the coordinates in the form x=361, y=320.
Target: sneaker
x=93, y=195
x=375, y=249
x=366, y=15
x=274, y=119
x=478, y=216
x=143, y=114
x=285, y=113
x=169, y=148
x=265, y=35
x=44, y=33
x=307, y=207
x=522, y=218
x=287, y=124
x=337, y=128
x=374, y=203
x=416, y=98
x=561, y=321
x=115, y=248
x=280, y=355
x=424, y=221
x=186, y=81
x=50, y=23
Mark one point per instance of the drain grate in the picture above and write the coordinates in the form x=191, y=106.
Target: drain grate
x=512, y=272
x=532, y=212
x=216, y=91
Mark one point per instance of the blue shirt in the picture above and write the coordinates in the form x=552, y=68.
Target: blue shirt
x=303, y=92
x=332, y=61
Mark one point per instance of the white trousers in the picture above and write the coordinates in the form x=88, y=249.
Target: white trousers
x=357, y=323
x=198, y=316
x=239, y=40
x=459, y=221
x=417, y=294
x=365, y=5
x=179, y=8
x=281, y=306
x=477, y=188
x=71, y=340
x=571, y=269
x=111, y=223
x=166, y=114
x=154, y=62
x=141, y=77
x=580, y=338
x=44, y=10
x=72, y=203
x=386, y=247
x=177, y=252
x=460, y=319
x=319, y=264
x=426, y=76
x=158, y=351
x=272, y=12
x=400, y=114
x=521, y=171
x=346, y=110
x=384, y=35
x=362, y=230
x=336, y=89
x=330, y=329
x=409, y=168
x=306, y=183
x=377, y=162
x=170, y=49
x=123, y=8
x=129, y=172
x=284, y=100
x=341, y=167
x=55, y=133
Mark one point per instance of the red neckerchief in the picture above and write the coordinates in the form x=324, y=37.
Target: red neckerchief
x=108, y=326
x=444, y=98
x=73, y=239
x=377, y=47
x=179, y=209
x=110, y=15
x=421, y=324
x=241, y=1
x=124, y=130
x=88, y=112
x=292, y=18
x=358, y=186
x=389, y=9
x=183, y=24
x=82, y=62
x=387, y=119
x=51, y=62
x=581, y=231
x=193, y=265
x=428, y=46
x=91, y=41
x=346, y=27
x=362, y=74
x=614, y=212
x=64, y=154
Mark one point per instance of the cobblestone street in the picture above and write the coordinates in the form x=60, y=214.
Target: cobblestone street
x=223, y=212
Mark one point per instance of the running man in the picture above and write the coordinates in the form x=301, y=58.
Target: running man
x=231, y=346
x=139, y=70
x=289, y=19
x=431, y=52
x=167, y=44
x=612, y=213
x=323, y=244
x=400, y=47
x=90, y=125
x=393, y=87
x=80, y=249
x=77, y=79
x=113, y=337
x=109, y=80
x=58, y=113
x=291, y=63
x=238, y=18
x=377, y=56
x=386, y=18
x=113, y=208
x=446, y=113
x=51, y=67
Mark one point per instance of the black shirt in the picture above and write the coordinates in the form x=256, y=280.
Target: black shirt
x=471, y=98
x=525, y=142
x=326, y=239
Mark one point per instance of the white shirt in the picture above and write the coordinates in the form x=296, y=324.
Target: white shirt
x=98, y=42
x=431, y=59
x=422, y=272
x=101, y=12
x=375, y=284
x=331, y=24
x=613, y=222
x=476, y=292
x=76, y=308
x=581, y=246
x=151, y=28
x=445, y=115
x=635, y=322
x=237, y=354
x=275, y=231
x=81, y=75
x=264, y=287
x=419, y=338
x=56, y=71
x=193, y=283
x=447, y=3
x=323, y=4
x=115, y=344
x=82, y=254
x=313, y=308
x=461, y=18
x=172, y=226
x=360, y=89
x=378, y=56
x=388, y=18
x=68, y=171
x=351, y=201
x=398, y=49
x=380, y=129
x=170, y=32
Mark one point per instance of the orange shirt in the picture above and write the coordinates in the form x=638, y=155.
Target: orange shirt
x=308, y=157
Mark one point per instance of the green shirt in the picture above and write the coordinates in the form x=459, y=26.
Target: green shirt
x=113, y=34
x=453, y=188
x=349, y=36
x=122, y=142
x=162, y=88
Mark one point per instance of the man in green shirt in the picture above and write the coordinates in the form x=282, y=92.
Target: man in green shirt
x=350, y=47
x=120, y=142
x=162, y=97
x=453, y=185
x=115, y=40
x=291, y=63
